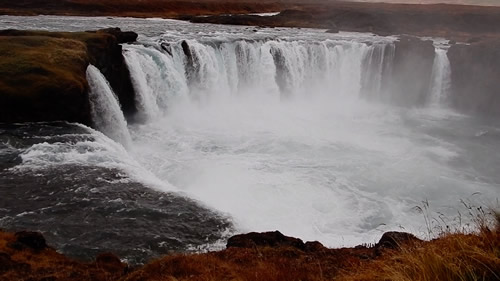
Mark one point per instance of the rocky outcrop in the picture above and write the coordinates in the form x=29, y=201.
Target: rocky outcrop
x=267, y=239
x=475, y=71
x=107, y=56
x=411, y=72
x=30, y=240
x=271, y=256
x=43, y=74
x=394, y=240
x=25, y=256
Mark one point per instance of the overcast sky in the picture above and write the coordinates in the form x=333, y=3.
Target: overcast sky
x=470, y=2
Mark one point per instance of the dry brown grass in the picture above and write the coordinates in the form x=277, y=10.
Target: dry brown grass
x=47, y=264
x=251, y=264
x=457, y=256
x=451, y=257
x=29, y=63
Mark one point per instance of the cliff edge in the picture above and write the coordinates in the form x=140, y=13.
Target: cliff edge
x=43, y=73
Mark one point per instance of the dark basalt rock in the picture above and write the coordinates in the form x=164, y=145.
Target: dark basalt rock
x=475, y=76
x=412, y=71
x=121, y=36
x=267, y=239
x=107, y=56
x=110, y=263
x=314, y=246
x=393, y=240
x=31, y=240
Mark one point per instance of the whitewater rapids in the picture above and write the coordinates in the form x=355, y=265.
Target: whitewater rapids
x=278, y=129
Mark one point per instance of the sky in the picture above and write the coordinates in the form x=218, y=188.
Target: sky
x=469, y=2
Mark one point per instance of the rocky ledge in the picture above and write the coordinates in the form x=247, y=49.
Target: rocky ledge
x=271, y=256
x=43, y=73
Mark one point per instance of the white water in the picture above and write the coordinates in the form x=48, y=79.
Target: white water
x=296, y=146
x=441, y=78
x=271, y=70
x=277, y=135
x=105, y=109
x=94, y=150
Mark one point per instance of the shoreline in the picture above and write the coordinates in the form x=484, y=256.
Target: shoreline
x=271, y=256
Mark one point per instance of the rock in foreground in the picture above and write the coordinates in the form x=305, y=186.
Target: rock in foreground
x=271, y=256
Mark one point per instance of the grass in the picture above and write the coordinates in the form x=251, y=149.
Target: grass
x=452, y=256
x=455, y=255
x=31, y=63
x=44, y=73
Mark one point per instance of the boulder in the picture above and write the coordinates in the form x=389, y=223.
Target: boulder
x=110, y=263
x=266, y=239
x=31, y=240
x=314, y=247
x=393, y=240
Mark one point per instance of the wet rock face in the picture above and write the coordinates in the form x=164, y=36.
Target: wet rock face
x=107, y=56
x=412, y=70
x=475, y=71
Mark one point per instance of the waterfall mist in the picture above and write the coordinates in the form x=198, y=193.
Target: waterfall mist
x=329, y=137
x=298, y=136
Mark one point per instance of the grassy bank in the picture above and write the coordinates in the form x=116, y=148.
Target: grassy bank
x=272, y=256
x=43, y=73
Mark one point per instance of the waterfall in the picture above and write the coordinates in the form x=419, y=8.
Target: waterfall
x=441, y=78
x=377, y=69
x=105, y=109
x=273, y=69
x=157, y=79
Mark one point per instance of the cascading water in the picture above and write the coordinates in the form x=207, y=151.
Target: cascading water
x=272, y=68
x=441, y=78
x=293, y=130
x=280, y=130
x=106, y=112
x=377, y=68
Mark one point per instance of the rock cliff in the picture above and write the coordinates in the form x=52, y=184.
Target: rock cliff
x=43, y=73
x=476, y=77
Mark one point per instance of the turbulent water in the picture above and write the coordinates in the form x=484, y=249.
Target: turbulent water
x=245, y=129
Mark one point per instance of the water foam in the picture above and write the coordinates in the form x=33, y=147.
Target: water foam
x=277, y=135
x=91, y=150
